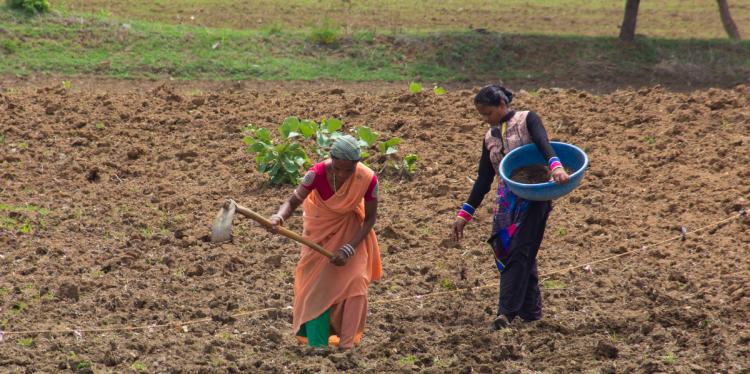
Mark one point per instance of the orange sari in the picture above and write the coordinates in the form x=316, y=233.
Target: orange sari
x=320, y=285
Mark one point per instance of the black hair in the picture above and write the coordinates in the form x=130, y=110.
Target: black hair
x=493, y=95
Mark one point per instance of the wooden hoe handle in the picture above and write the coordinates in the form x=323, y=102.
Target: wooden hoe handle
x=282, y=230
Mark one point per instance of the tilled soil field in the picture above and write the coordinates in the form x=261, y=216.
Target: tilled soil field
x=106, y=197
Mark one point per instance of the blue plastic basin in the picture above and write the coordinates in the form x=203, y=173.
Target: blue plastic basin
x=571, y=157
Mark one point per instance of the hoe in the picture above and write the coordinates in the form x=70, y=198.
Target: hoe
x=221, y=231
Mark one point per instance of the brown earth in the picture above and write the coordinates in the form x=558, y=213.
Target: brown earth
x=531, y=174
x=598, y=83
x=131, y=179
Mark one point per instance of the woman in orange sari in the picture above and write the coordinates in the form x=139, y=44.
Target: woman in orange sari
x=340, y=202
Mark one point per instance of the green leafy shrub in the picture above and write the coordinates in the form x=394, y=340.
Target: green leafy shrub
x=9, y=46
x=285, y=160
x=416, y=88
x=325, y=33
x=388, y=152
x=282, y=160
x=30, y=6
x=409, y=164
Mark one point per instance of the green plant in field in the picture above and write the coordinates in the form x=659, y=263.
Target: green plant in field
x=366, y=36
x=8, y=223
x=367, y=139
x=389, y=146
x=562, y=232
x=282, y=161
x=505, y=331
x=19, y=307
x=71, y=356
x=23, y=145
x=25, y=228
x=100, y=126
x=389, y=149
x=96, y=273
x=30, y=6
x=83, y=365
x=425, y=230
x=104, y=13
x=409, y=164
x=615, y=337
x=325, y=33
x=26, y=342
x=553, y=284
x=326, y=133
x=649, y=139
x=416, y=88
x=67, y=85
x=216, y=361
x=9, y=46
x=408, y=360
x=669, y=358
x=285, y=160
x=146, y=232
x=274, y=29
x=447, y=284
x=138, y=366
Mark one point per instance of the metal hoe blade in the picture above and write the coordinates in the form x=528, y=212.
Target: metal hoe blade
x=221, y=231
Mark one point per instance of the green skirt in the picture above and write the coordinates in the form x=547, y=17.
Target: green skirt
x=317, y=330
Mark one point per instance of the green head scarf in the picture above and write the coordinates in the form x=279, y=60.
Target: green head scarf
x=346, y=148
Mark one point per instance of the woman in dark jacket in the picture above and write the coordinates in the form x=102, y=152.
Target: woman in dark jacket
x=518, y=225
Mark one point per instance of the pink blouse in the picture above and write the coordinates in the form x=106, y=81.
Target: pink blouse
x=315, y=179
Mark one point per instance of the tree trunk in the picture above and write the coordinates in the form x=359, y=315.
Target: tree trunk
x=627, y=30
x=727, y=21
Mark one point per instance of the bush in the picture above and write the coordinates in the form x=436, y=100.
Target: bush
x=286, y=159
x=8, y=46
x=325, y=33
x=30, y=6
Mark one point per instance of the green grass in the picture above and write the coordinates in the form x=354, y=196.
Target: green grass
x=97, y=44
x=664, y=18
